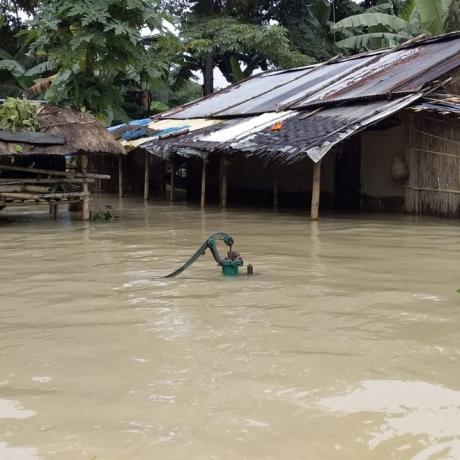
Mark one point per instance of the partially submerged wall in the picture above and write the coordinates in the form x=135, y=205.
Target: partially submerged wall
x=380, y=192
x=433, y=157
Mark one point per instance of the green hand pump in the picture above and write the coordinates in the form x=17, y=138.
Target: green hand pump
x=230, y=264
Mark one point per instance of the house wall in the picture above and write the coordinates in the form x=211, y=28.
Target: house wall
x=433, y=156
x=380, y=192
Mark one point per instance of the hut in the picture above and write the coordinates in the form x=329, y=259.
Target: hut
x=58, y=164
x=376, y=131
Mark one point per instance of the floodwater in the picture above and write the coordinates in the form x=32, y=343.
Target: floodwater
x=345, y=344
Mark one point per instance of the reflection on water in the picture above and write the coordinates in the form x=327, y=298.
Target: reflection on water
x=416, y=408
x=12, y=409
x=344, y=345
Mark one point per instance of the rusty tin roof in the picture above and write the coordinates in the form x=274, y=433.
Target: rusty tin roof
x=380, y=75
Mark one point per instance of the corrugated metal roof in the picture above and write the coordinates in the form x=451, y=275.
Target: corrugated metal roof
x=400, y=72
x=369, y=76
x=310, y=134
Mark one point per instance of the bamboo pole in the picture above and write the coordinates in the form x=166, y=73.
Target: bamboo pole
x=146, y=176
x=203, y=183
x=432, y=152
x=275, y=188
x=120, y=176
x=316, y=190
x=43, y=196
x=223, y=188
x=19, y=196
x=430, y=189
x=50, y=172
x=33, y=180
x=38, y=202
x=35, y=189
x=173, y=186
x=85, y=213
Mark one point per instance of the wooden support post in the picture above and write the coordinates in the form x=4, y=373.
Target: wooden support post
x=316, y=190
x=203, y=183
x=220, y=180
x=85, y=188
x=146, y=176
x=120, y=176
x=173, y=185
x=223, y=185
x=275, y=188
x=54, y=211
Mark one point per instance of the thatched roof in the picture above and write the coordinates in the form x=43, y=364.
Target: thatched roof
x=82, y=133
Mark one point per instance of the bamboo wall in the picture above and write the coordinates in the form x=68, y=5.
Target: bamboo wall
x=433, y=157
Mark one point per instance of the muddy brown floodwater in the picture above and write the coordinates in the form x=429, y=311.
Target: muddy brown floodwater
x=344, y=345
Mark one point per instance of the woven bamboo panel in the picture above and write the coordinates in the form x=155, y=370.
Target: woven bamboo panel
x=433, y=157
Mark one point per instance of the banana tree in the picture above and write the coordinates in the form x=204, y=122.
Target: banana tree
x=436, y=16
x=373, y=30
x=379, y=27
x=16, y=76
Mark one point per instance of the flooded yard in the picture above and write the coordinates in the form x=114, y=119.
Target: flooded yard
x=344, y=345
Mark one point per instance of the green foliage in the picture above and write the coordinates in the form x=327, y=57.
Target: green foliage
x=173, y=94
x=187, y=92
x=345, y=8
x=307, y=24
x=321, y=10
x=372, y=41
x=96, y=44
x=239, y=48
x=380, y=26
x=18, y=114
x=432, y=14
x=11, y=22
x=371, y=20
x=19, y=72
x=452, y=17
x=102, y=216
x=104, y=65
x=373, y=30
x=158, y=106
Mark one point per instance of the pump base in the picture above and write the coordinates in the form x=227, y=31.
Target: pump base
x=230, y=267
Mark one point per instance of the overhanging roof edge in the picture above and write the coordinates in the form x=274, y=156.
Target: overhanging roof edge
x=316, y=153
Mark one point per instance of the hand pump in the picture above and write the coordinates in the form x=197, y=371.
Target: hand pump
x=230, y=264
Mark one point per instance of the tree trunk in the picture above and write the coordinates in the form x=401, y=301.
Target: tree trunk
x=208, y=74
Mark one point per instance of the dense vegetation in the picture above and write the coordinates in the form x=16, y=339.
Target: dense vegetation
x=132, y=58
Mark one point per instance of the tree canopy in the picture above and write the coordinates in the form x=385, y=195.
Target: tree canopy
x=390, y=23
x=120, y=58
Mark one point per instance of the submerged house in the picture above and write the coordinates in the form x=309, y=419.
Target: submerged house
x=378, y=131
x=59, y=164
